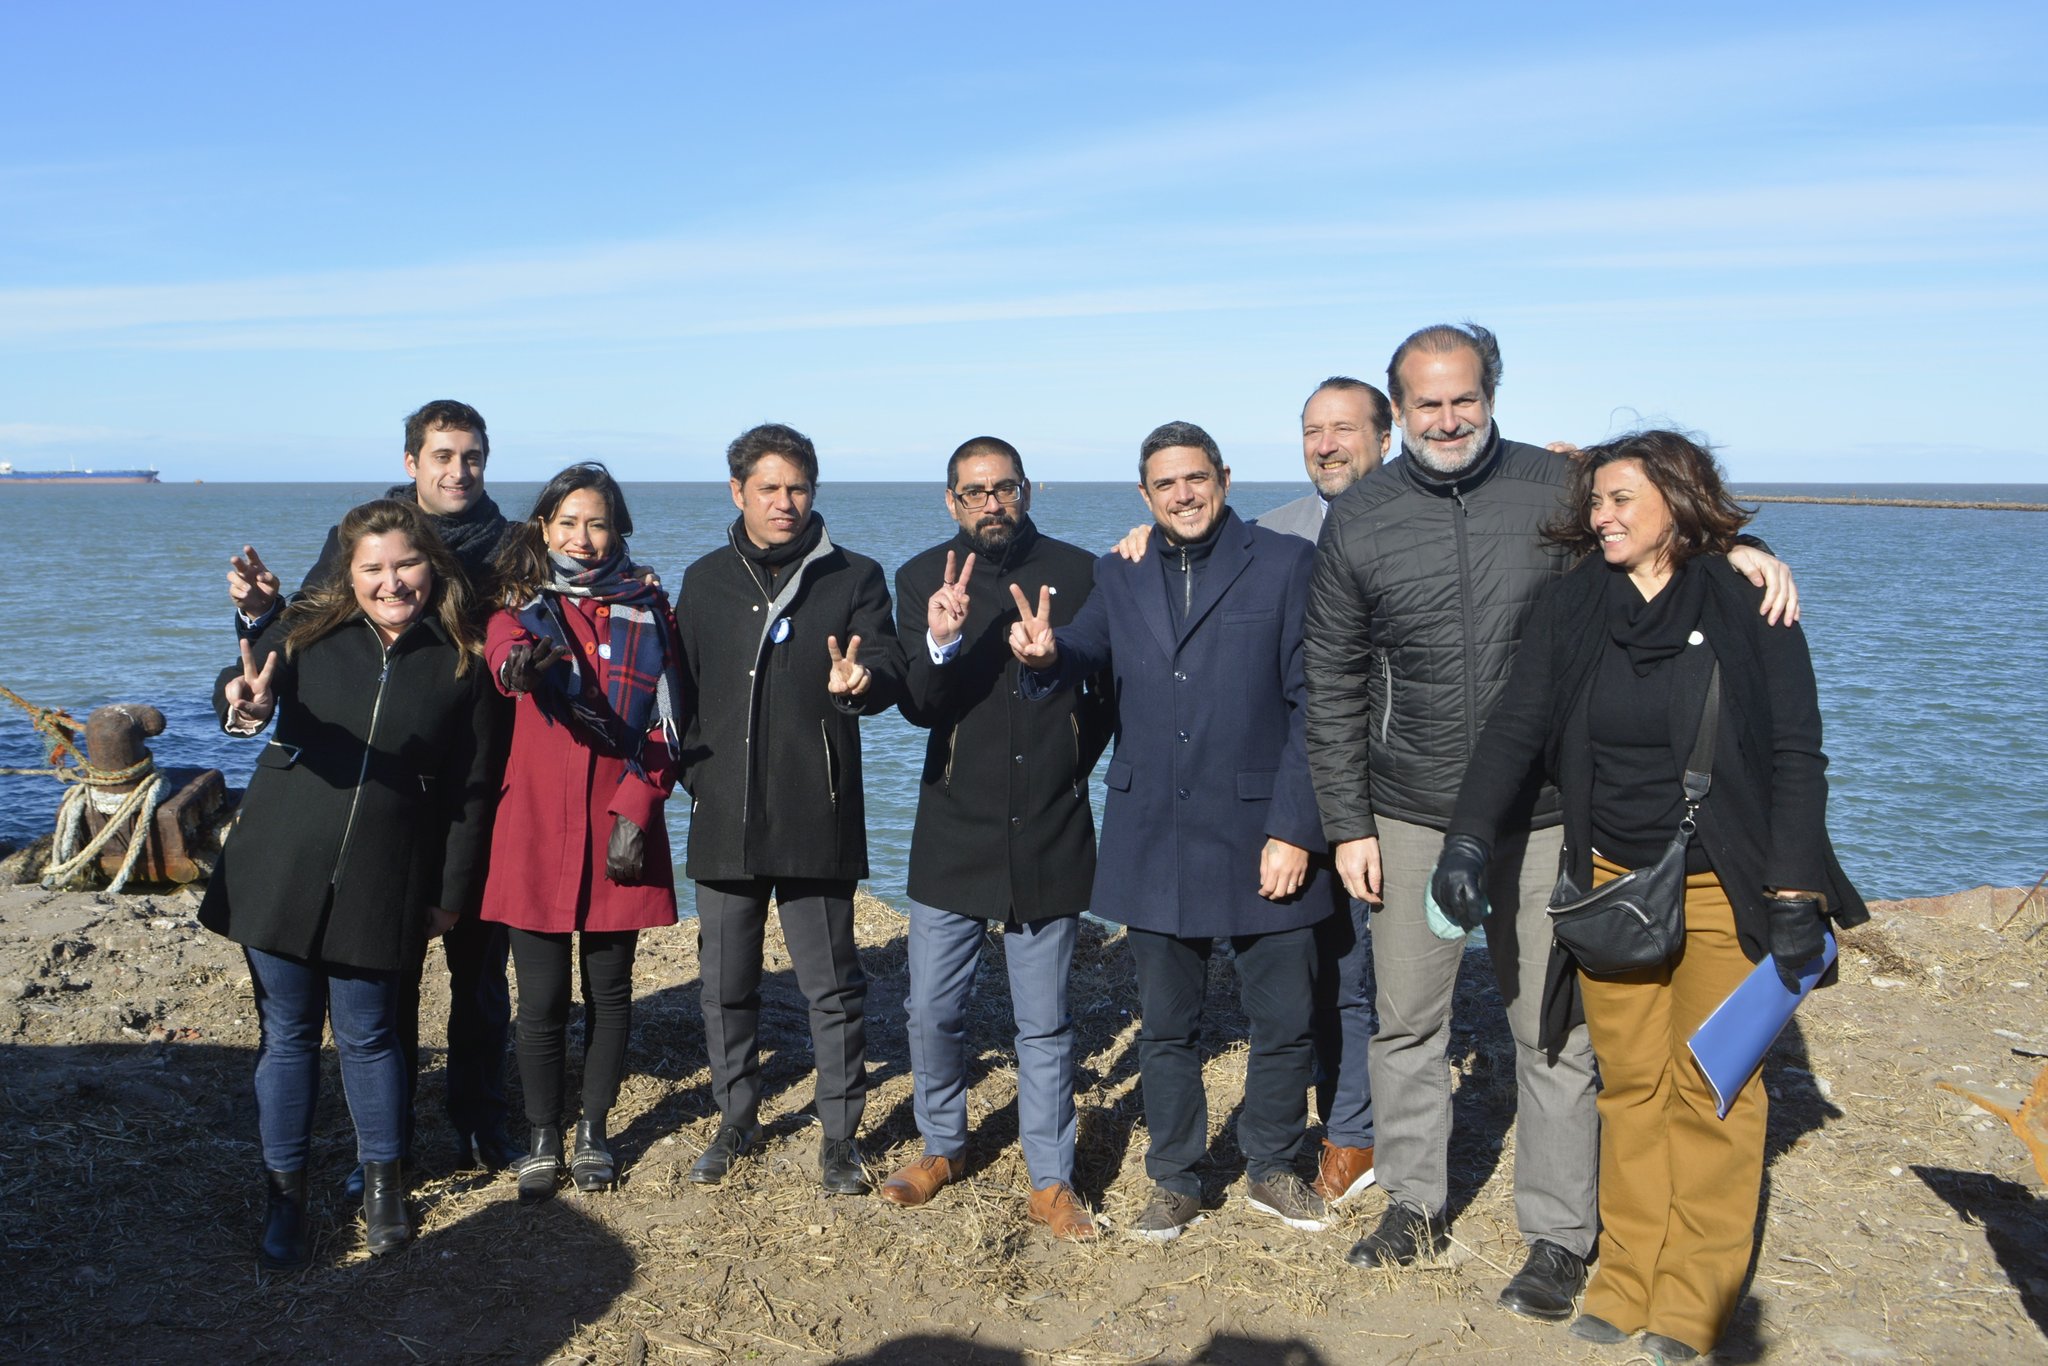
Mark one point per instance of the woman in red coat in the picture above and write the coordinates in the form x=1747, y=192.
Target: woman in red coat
x=590, y=653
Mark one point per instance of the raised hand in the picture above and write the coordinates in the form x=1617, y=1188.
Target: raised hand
x=251, y=586
x=527, y=663
x=1031, y=638
x=946, y=613
x=1132, y=546
x=849, y=677
x=251, y=697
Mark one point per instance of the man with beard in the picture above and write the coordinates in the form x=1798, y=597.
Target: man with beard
x=446, y=447
x=1210, y=827
x=788, y=642
x=1423, y=577
x=1004, y=833
x=1346, y=427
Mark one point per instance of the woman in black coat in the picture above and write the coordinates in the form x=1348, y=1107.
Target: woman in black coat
x=1608, y=692
x=362, y=835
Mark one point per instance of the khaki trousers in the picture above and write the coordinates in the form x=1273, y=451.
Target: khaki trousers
x=1678, y=1186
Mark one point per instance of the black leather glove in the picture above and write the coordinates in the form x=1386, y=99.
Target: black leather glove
x=625, y=858
x=1798, y=935
x=1459, y=882
x=526, y=664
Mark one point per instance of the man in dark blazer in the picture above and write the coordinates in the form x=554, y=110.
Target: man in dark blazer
x=1210, y=828
x=1004, y=833
x=788, y=642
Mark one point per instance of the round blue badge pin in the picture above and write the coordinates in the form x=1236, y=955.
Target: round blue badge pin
x=779, y=632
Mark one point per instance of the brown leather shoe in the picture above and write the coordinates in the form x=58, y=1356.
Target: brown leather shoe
x=1059, y=1209
x=919, y=1181
x=1342, y=1173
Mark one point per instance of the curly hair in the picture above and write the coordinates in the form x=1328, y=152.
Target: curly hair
x=1704, y=516
x=331, y=604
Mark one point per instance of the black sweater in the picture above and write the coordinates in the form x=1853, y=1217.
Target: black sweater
x=1763, y=825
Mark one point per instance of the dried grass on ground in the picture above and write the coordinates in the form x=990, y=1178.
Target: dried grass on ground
x=1903, y=1223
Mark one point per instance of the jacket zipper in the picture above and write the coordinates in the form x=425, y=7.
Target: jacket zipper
x=1387, y=681
x=1187, y=601
x=831, y=787
x=1465, y=611
x=369, y=748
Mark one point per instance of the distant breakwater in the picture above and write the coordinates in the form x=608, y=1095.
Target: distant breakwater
x=1891, y=502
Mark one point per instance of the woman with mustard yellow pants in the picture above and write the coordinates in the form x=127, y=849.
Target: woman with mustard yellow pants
x=1614, y=676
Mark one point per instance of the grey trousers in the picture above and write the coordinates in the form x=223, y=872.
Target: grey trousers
x=1557, y=1128
x=817, y=927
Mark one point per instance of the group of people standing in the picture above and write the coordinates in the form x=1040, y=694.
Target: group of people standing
x=1344, y=734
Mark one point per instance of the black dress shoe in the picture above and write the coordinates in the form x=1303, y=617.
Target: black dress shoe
x=1663, y=1349
x=591, y=1166
x=541, y=1167
x=386, y=1227
x=839, y=1167
x=1593, y=1328
x=490, y=1147
x=731, y=1144
x=1404, y=1234
x=285, y=1246
x=1547, y=1285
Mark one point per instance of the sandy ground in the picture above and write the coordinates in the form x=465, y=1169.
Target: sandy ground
x=1902, y=1223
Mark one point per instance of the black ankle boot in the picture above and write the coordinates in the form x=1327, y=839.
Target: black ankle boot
x=542, y=1165
x=285, y=1246
x=591, y=1165
x=386, y=1226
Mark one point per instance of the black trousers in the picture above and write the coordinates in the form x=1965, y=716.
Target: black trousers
x=817, y=926
x=1274, y=976
x=542, y=961
x=479, y=1025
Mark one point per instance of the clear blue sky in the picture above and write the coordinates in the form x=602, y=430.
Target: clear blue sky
x=242, y=241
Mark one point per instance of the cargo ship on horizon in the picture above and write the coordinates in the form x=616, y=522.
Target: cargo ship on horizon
x=11, y=475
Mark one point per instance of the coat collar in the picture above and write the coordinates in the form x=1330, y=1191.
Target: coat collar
x=1231, y=556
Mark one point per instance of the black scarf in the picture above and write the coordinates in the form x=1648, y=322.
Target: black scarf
x=1658, y=628
x=769, y=562
x=472, y=534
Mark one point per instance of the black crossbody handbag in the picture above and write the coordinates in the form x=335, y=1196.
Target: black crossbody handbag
x=1637, y=920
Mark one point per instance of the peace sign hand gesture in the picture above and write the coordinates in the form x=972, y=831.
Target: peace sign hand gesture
x=251, y=698
x=251, y=586
x=849, y=677
x=946, y=613
x=1031, y=637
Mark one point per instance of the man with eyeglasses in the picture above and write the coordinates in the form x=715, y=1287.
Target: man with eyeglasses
x=1004, y=833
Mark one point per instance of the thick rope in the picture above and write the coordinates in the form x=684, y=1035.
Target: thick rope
x=132, y=811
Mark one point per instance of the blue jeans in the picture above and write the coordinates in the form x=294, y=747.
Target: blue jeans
x=293, y=1000
x=944, y=949
x=1343, y=1023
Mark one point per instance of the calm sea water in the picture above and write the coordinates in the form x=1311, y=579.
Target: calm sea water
x=1927, y=628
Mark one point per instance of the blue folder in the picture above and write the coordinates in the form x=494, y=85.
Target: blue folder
x=1730, y=1045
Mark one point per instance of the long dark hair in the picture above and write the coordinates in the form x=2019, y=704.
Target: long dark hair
x=521, y=562
x=1704, y=516
x=331, y=604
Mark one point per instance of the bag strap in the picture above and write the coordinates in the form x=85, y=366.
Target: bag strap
x=1699, y=769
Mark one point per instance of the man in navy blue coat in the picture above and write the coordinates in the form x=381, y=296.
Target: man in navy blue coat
x=1210, y=829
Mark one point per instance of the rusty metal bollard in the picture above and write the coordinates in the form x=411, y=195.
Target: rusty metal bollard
x=182, y=841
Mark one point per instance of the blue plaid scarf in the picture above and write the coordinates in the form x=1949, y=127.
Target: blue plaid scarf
x=644, y=680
